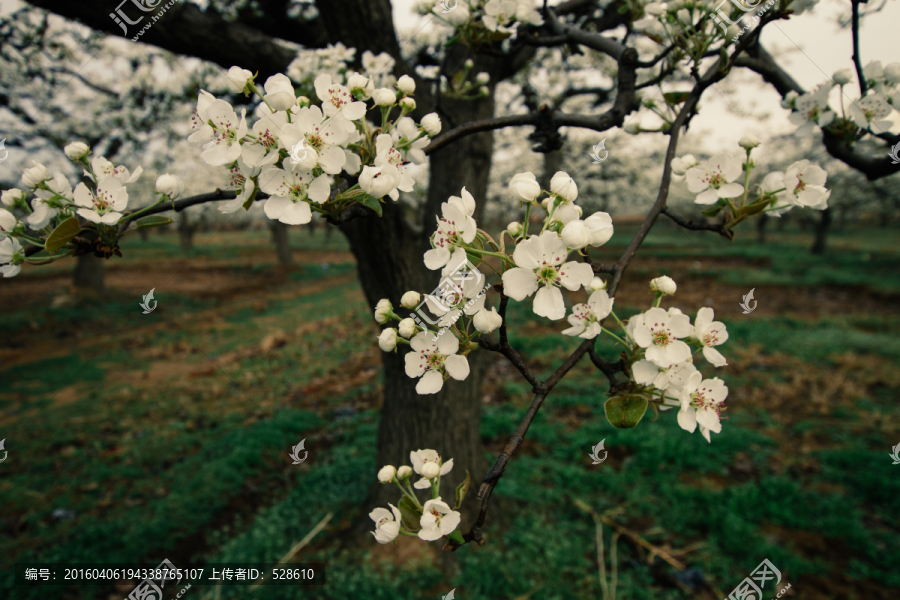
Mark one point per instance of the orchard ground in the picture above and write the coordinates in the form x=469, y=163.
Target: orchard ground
x=137, y=437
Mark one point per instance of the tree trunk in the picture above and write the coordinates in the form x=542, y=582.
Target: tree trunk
x=186, y=232
x=821, y=232
x=281, y=237
x=88, y=275
x=761, y=228
x=389, y=260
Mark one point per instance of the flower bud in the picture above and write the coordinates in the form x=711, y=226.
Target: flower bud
x=76, y=150
x=469, y=63
x=484, y=91
x=663, y=285
x=406, y=84
x=487, y=320
x=404, y=472
x=655, y=8
x=382, y=310
x=303, y=101
x=576, y=235
x=407, y=328
x=357, y=82
x=748, y=142
x=842, y=77
x=563, y=185
x=431, y=123
x=408, y=104
x=525, y=187
x=384, y=97
x=430, y=470
x=632, y=128
x=34, y=176
x=12, y=196
x=515, y=229
x=482, y=78
x=387, y=341
x=788, y=101
x=596, y=284
x=682, y=164
x=170, y=185
x=459, y=16
x=238, y=79
x=732, y=31
x=410, y=300
x=386, y=474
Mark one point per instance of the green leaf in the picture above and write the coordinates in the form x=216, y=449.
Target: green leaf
x=64, y=232
x=462, y=488
x=625, y=412
x=152, y=221
x=410, y=514
x=350, y=194
x=754, y=209
x=711, y=211
x=372, y=203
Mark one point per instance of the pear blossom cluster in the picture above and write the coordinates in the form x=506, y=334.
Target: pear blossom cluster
x=874, y=112
x=310, y=156
x=484, y=19
x=541, y=265
x=429, y=521
x=31, y=213
x=660, y=348
x=723, y=181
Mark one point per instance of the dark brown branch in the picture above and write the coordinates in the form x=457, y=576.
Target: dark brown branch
x=699, y=225
x=506, y=349
x=857, y=59
x=576, y=35
x=608, y=369
x=761, y=62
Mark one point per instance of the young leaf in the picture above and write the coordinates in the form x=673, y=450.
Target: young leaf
x=372, y=203
x=461, y=489
x=410, y=514
x=64, y=232
x=152, y=221
x=625, y=412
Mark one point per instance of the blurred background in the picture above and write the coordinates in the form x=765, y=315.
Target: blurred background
x=135, y=437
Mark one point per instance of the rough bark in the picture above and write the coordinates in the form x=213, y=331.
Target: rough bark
x=88, y=275
x=281, y=239
x=822, y=227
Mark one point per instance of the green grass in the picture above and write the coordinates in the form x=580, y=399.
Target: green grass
x=193, y=468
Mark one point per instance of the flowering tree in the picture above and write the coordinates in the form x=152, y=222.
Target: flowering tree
x=339, y=130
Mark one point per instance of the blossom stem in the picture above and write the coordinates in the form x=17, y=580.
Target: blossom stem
x=621, y=341
x=527, y=220
x=659, y=297
x=405, y=493
x=747, y=177
x=614, y=316
x=504, y=257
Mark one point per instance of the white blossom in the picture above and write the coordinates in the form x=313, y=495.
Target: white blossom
x=701, y=404
x=658, y=333
x=387, y=524
x=842, y=76
x=279, y=92
x=437, y=520
x=540, y=269
x=428, y=462
x=714, y=179
x=872, y=111
x=665, y=285
x=12, y=197
x=34, y=176
x=576, y=235
x=11, y=257
x=290, y=192
x=585, y=318
x=103, y=206
x=710, y=333
x=7, y=223
x=811, y=110
x=406, y=84
x=336, y=99
x=430, y=360
x=805, y=185
x=455, y=227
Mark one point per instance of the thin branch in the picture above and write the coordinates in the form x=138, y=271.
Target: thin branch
x=699, y=225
